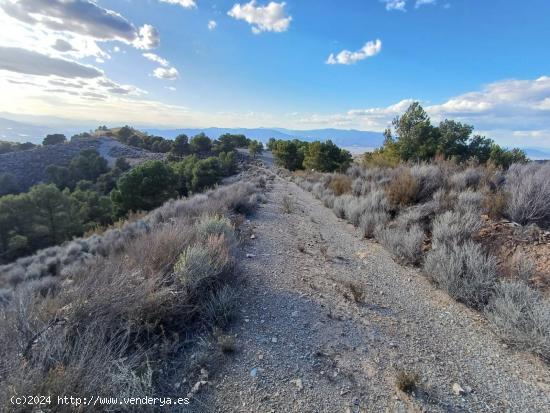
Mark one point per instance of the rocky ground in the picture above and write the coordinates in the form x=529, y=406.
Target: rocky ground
x=329, y=322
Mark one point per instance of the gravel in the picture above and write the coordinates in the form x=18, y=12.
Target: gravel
x=304, y=343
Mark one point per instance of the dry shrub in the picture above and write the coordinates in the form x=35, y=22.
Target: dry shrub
x=402, y=189
x=404, y=243
x=287, y=204
x=340, y=184
x=454, y=227
x=528, y=189
x=495, y=204
x=464, y=271
x=520, y=315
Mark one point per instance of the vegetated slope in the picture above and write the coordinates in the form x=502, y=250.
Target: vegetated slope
x=27, y=167
x=331, y=323
x=119, y=314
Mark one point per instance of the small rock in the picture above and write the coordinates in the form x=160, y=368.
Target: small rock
x=253, y=236
x=294, y=314
x=250, y=255
x=260, y=356
x=458, y=390
x=298, y=383
x=274, y=340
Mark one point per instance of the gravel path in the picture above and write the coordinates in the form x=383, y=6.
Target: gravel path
x=305, y=344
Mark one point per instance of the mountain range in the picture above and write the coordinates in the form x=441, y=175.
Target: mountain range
x=17, y=128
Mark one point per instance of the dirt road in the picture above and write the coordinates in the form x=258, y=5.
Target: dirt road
x=328, y=320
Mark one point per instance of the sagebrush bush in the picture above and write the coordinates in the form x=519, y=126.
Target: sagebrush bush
x=405, y=244
x=470, y=201
x=528, y=190
x=341, y=204
x=464, y=271
x=469, y=178
x=373, y=221
x=453, y=227
x=215, y=225
x=202, y=263
x=520, y=315
x=430, y=178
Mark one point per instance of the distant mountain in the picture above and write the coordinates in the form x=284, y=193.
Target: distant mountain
x=537, y=153
x=341, y=137
x=20, y=131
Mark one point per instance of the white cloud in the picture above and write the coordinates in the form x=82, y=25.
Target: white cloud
x=82, y=20
x=270, y=18
x=395, y=4
x=15, y=59
x=188, y=4
x=156, y=58
x=346, y=57
x=212, y=25
x=170, y=88
x=513, y=112
x=79, y=16
x=420, y=3
x=148, y=38
x=166, y=73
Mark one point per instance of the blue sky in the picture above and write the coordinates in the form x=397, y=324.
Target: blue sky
x=268, y=64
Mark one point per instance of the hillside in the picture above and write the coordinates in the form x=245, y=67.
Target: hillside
x=27, y=167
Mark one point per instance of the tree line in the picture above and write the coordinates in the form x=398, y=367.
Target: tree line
x=416, y=139
x=319, y=156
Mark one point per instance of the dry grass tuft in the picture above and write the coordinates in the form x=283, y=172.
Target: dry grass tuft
x=407, y=381
x=287, y=204
x=340, y=184
x=356, y=291
x=402, y=189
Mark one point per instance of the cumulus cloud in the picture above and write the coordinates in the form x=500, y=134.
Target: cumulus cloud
x=147, y=38
x=188, y=4
x=166, y=73
x=80, y=17
x=29, y=62
x=395, y=4
x=156, y=58
x=269, y=18
x=212, y=25
x=346, y=57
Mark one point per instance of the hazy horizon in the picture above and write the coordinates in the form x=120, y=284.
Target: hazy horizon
x=228, y=64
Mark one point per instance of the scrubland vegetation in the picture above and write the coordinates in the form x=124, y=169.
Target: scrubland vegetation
x=114, y=313
x=88, y=194
x=427, y=213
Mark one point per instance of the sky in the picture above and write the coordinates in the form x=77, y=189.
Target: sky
x=299, y=64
